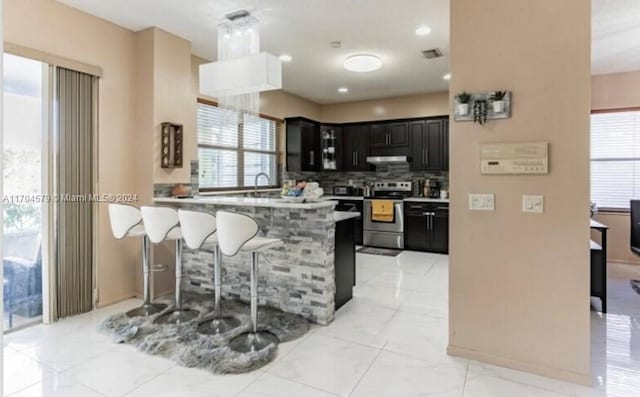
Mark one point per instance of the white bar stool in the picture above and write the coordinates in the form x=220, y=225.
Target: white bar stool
x=126, y=221
x=239, y=233
x=161, y=223
x=199, y=231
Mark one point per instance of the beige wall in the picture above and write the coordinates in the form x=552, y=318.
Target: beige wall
x=618, y=237
x=618, y=90
x=423, y=105
x=48, y=26
x=519, y=283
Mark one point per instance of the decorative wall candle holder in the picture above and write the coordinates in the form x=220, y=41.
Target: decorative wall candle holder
x=171, y=148
x=495, y=108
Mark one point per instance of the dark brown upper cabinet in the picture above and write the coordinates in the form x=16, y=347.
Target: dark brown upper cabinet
x=355, y=147
x=429, y=144
x=424, y=141
x=390, y=139
x=304, y=152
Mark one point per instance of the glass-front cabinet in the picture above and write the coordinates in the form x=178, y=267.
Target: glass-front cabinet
x=330, y=136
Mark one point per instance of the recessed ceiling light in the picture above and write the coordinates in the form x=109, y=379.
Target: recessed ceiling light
x=343, y=90
x=423, y=30
x=362, y=63
x=285, y=58
x=447, y=76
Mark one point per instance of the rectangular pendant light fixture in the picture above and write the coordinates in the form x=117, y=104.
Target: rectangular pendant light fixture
x=253, y=73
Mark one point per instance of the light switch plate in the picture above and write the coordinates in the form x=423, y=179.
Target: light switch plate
x=482, y=201
x=533, y=204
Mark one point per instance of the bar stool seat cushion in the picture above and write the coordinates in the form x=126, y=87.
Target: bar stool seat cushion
x=259, y=243
x=211, y=241
x=136, y=231
x=174, y=234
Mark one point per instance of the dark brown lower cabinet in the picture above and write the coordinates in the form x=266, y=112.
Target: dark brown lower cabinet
x=427, y=227
x=354, y=206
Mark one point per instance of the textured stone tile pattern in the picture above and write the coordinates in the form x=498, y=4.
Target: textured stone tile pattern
x=297, y=278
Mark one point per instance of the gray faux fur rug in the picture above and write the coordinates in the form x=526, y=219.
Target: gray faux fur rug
x=185, y=346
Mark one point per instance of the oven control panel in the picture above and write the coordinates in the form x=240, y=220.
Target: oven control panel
x=391, y=186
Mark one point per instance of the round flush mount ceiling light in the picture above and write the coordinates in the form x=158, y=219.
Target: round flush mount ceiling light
x=423, y=30
x=362, y=63
x=285, y=58
x=343, y=90
x=447, y=76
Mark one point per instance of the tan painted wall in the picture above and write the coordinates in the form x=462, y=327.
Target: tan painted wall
x=173, y=101
x=617, y=90
x=422, y=105
x=618, y=237
x=51, y=27
x=519, y=283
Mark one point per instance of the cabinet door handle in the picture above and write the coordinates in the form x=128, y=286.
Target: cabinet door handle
x=353, y=159
x=357, y=158
x=426, y=156
x=311, y=159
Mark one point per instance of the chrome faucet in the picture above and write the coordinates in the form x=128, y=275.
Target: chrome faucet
x=255, y=183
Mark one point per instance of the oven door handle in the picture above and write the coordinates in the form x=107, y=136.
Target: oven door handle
x=400, y=211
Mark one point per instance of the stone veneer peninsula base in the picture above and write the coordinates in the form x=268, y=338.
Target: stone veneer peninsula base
x=297, y=278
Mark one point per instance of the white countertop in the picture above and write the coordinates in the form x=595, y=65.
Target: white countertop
x=426, y=200
x=244, y=202
x=343, y=198
x=344, y=215
x=410, y=199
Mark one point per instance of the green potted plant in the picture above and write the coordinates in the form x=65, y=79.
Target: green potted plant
x=480, y=111
x=497, y=98
x=462, y=103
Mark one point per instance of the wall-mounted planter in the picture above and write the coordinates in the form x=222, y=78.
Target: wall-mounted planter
x=462, y=109
x=497, y=109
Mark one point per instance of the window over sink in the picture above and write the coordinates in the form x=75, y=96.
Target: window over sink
x=232, y=153
x=615, y=158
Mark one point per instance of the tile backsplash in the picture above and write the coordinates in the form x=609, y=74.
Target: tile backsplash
x=329, y=179
x=382, y=173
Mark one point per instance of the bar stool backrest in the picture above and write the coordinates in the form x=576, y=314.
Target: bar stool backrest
x=159, y=221
x=123, y=218
x=234, y=230
x=196, y=227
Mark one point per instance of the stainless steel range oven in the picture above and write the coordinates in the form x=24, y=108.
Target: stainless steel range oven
x=384, y=215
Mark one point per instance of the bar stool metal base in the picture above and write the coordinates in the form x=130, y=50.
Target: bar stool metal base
x=146, y=310
x=177, y=316
x=218, y=325
x=253, y=341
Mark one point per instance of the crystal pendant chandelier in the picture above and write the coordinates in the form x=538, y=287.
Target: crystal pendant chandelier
x=242, y=71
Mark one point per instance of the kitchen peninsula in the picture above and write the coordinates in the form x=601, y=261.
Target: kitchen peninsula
x=309, y=275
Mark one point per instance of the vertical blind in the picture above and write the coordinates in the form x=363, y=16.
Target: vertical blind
x=231, y=154
x=75, y=120
x=615, y=158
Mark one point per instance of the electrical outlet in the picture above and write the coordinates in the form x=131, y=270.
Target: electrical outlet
x=533, y=204
x=482, y=201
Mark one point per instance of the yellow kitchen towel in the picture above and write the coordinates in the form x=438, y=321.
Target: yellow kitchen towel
x=382, y=210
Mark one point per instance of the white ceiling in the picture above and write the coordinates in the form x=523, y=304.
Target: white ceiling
x=304, y=29
x=615, y=36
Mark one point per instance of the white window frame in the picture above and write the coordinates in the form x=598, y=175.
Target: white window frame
x=240, y=150
x=605, y=208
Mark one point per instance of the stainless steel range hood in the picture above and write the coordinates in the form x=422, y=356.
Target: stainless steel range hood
x=387, y=160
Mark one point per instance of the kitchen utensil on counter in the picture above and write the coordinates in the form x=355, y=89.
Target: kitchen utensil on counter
x=444, y=194
x=420, y=188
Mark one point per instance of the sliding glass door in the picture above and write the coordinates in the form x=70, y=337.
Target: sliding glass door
x=25, y=120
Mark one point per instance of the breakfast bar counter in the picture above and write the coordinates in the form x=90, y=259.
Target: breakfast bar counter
x=298, y=278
